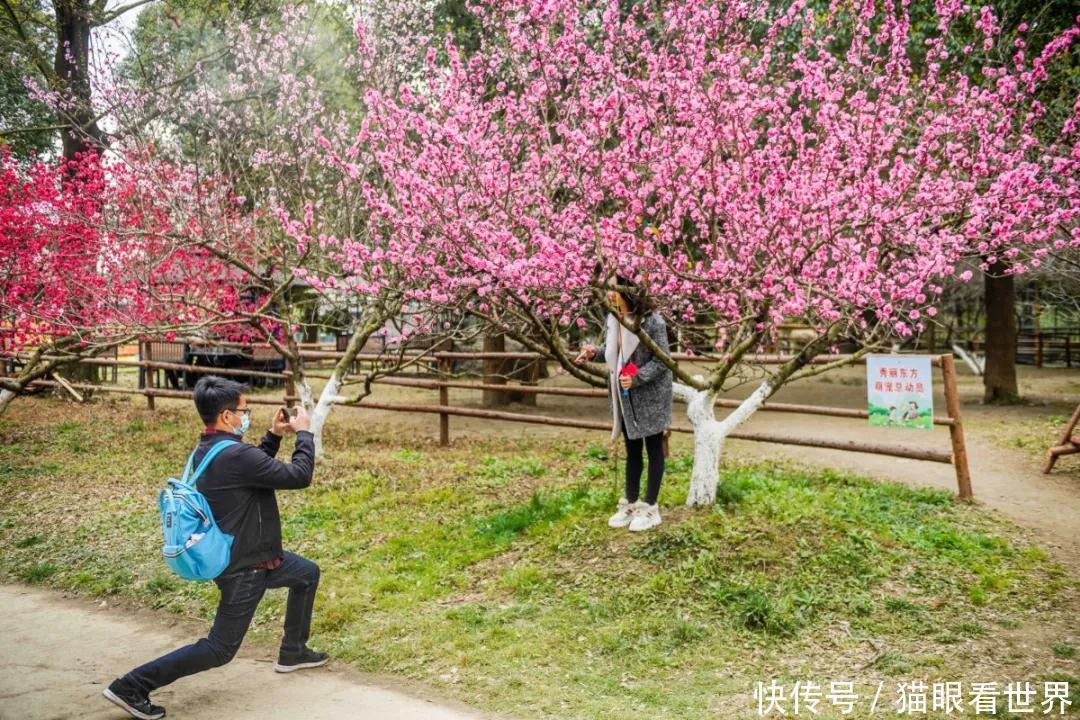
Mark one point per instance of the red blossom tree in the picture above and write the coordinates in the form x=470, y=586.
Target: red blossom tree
x=92, y=259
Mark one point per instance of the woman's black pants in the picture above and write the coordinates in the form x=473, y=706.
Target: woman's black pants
x=654, y=444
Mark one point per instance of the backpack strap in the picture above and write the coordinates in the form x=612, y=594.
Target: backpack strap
x=189, y=479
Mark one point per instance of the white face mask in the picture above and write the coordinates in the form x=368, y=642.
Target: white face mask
x=245, y=423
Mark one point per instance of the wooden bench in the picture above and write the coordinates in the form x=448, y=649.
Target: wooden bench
x=1068, y=442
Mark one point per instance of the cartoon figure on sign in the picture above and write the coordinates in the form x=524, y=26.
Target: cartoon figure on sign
x=911, y=415
x=894, y=416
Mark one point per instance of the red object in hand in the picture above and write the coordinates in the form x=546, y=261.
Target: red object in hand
x=628, y=370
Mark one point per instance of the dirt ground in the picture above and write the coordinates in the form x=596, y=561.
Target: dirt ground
x=43, y=678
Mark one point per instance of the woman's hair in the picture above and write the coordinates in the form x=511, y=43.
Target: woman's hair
x=636, y=298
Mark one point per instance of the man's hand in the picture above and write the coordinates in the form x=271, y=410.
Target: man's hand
x=301, y=421
x=587, y=353
x=280, y=425
x=625, y=381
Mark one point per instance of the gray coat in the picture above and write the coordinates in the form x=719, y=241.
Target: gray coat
x=647, y=409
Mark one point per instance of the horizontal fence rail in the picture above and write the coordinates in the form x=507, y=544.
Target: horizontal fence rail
x=440, y=364
x=148, y=392
x=941, y=456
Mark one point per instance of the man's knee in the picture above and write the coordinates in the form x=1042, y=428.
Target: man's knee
x=221, y=651
x=314, y=573
x=306, y=571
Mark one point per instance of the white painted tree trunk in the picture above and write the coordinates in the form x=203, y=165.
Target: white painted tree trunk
x=708, y=443
x=709, y=437
x=321, y=410
x=6, y=396
x=977, y=365
x=307, y=395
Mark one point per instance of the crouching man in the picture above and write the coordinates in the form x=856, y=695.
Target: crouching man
x=240, y=484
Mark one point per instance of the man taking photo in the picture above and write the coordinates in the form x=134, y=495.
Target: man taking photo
x=240, y=485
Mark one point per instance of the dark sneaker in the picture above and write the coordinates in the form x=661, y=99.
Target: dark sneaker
x=306, y=658
x=136, y=704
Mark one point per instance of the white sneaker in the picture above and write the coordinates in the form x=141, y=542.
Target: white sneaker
x=645, y=517
x=623, y=515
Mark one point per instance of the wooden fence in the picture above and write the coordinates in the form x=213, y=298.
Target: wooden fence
x=1048, y=347
x=443, y=381
x=1054, y=348
x=957, y=456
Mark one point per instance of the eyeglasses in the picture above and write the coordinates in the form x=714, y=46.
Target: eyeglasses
x=244, y=411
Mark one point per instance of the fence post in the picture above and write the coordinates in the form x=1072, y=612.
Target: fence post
x=142, y=370
x=444, y=400
x=151, y=376
x=290, y=390
x=1068, y=352
x=956, y=430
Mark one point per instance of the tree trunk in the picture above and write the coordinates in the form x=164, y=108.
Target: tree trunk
x=6, y=396
x=526, y=372
x=307, y=395
x=329, y=396
x=709, y=437
x=708, y=445
x=321, y=412
x=495, y=371
x=81, y=133
x=999, y=377
x=72, y=66
x=316, y=410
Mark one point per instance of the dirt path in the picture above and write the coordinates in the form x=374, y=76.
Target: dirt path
x=57, y=655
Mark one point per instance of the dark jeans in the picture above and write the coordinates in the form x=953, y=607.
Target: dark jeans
x=635, y=464
x=241, y=592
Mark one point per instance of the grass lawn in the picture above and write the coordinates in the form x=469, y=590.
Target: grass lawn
x=486, y=570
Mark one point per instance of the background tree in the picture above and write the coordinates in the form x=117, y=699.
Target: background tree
x=51, y=44
x=1020, y=28
x=26, y=125
x=55, y=40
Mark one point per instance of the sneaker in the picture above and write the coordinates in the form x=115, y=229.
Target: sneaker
x=623, y=515
x=135, y=703
x=647, y=516
x=306, y=658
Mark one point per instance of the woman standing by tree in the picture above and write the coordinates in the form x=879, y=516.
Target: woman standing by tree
x=640, y=387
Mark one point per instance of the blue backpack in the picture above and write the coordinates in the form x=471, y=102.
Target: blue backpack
x=195, y=547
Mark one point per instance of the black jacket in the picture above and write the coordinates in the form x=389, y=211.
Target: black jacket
x=239, y=485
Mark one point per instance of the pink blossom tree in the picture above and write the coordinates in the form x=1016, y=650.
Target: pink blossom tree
x=749, y=165
x=272, y=109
